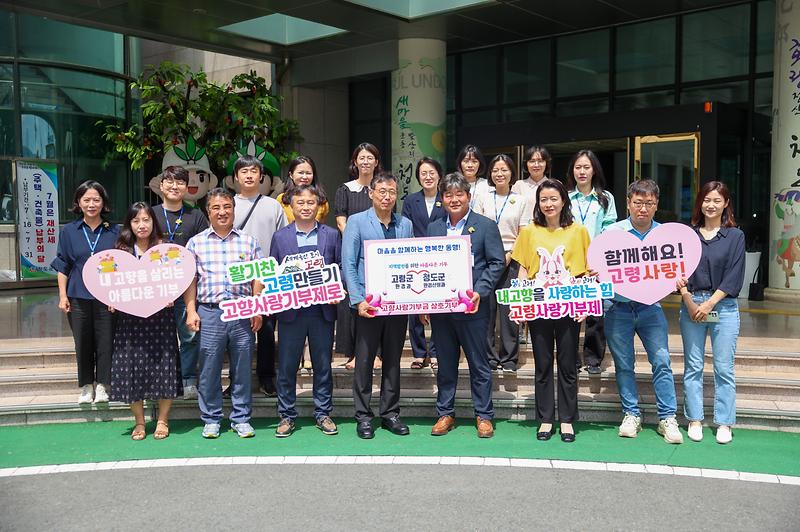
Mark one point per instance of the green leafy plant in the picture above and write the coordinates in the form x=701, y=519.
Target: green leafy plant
x=178, y=105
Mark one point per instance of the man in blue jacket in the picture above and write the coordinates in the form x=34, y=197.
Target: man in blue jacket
x=373, y=332
x=452, y=332
x=314, y=323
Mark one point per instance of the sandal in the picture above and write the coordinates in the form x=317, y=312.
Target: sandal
x=419, y=363
x=138, y=433
x=351, y=363
x=434, y=364
x=162, y=430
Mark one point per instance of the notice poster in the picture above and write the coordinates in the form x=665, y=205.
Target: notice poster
x=37, y=226
x=418, y=275
x=531, y=299
x=298, y=282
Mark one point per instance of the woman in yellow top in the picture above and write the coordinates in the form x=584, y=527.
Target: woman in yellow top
x=303, y=171
x=552, y=249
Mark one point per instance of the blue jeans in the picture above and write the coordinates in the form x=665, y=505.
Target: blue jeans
x=623, y=320
x=188, y=343
x=723, y=346
x=293, y=336
x=216, y=337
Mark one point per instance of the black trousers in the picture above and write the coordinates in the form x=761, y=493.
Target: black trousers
x=93, y=330
x=387, y=333
x=505, y=351
x=345, y=329
x=564, y=332
x=594, y=341
x=265, y=351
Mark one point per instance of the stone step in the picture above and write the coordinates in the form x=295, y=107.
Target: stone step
x=753, y=414
x=754, y=385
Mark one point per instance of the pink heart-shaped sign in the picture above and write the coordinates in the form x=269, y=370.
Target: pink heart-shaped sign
x=142, y=286
x=645, y=270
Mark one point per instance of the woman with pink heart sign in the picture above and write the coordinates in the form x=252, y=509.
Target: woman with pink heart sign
x=709, y=306
x=146, y=360
x=551, y=250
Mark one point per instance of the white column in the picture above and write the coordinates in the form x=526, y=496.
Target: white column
x=784, y=254
x=418, y=101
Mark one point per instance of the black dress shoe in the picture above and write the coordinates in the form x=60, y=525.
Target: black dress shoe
x=546, y=435
x=364, y=430
x=594, y=370
x=395, y=426
x=568, y=437
x=268, y=389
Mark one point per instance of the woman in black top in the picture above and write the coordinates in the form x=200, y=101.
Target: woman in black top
x=351, y=198
x=91, y=322
x=709, y=307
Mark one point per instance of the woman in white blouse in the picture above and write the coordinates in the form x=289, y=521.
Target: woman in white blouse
x=539, y=164
x=510, y=211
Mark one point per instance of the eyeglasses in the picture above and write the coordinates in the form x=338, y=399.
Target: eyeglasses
x=303, y=173
x=537, y=162
x=385, y=192
x=366, y=159
x=174, y=182
x=639, y=204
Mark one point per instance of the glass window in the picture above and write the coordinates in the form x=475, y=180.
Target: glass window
x=479, y=78
x=525, y=112
x=368, y=100
x=582, y=63
x=7, y=213
x=62, y=90
x=643, y=100
x=715, y=43
x=765, y=36
x=724, y=92
x=582, y=107
x=526, y=71
x=479, y=118
x=7, y=134
x=762, y=100
x=449, y=154
x=374, y=133
x=41, y=38
x=6, y=33
x=646, y=54
x=451, y=82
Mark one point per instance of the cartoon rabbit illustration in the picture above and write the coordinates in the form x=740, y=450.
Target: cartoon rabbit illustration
x=551, y=268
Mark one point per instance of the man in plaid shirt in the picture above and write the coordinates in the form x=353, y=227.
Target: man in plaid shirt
x=214, y=249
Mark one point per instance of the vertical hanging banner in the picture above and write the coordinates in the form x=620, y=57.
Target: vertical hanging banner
x=37, y=224
x=418, y=109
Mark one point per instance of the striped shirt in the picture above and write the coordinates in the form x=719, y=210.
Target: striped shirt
x=213, y=255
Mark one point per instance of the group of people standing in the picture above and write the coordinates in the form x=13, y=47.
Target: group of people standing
x=520, y=227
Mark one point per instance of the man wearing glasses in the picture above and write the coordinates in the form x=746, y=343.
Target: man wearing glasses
x=387, y=333
x=179, y=222
x=624, y=318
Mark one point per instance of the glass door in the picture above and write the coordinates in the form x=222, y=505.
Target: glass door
x=672, y=161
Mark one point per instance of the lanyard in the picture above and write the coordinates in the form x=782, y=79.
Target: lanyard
x=498, y=215
x=583, y=214
x=178, y=222
x=92, y=245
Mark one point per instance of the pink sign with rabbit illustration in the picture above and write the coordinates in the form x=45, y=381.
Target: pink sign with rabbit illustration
x=553, y=292
x=419, y=275
x=646, y=270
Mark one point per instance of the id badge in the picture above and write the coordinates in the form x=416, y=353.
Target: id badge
x=712, y=317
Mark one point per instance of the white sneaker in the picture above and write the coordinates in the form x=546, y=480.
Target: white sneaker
x=724, y=434
x=101, y=394
x=630, y=427
x=87, y=394
x=670, y=430
x=695, y=431
x=190, y=391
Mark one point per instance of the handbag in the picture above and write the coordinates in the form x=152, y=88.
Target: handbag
x=756, y=292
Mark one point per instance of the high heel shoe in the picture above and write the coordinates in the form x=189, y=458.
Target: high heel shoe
x=546, y=435
x=567, y=437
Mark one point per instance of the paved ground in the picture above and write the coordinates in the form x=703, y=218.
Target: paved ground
x=389, y=497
